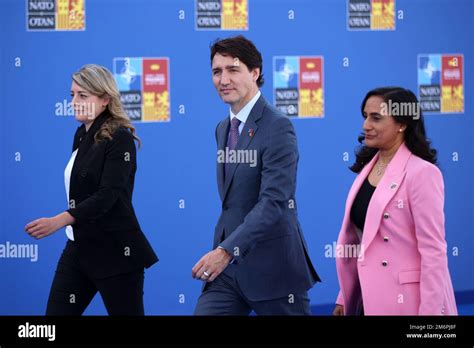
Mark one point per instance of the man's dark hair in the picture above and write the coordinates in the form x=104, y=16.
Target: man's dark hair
x=241, y=48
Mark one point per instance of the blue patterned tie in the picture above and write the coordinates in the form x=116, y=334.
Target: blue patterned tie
x=233, y=138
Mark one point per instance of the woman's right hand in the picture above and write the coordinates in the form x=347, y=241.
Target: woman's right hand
x=339, y=310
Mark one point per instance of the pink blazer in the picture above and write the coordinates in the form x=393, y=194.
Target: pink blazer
x=402, y=267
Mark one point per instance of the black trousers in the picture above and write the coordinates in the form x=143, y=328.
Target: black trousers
x=73, y=290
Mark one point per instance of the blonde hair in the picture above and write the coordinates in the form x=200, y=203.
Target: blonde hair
x=100, y=82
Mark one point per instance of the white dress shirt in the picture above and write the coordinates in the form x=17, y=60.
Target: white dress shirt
x=67, y=180
x=243, y=114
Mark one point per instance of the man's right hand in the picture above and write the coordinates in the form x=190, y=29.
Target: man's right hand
x=339, y=310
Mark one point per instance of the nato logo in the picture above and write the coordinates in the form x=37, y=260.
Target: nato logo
x=221, y=14
x=144, y=87
x=57, y=15
x=298, y=86
x=440, y=83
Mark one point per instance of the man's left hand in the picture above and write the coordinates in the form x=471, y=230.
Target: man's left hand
x=211, y=265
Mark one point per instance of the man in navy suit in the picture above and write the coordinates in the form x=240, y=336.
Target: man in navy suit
x=259, y=259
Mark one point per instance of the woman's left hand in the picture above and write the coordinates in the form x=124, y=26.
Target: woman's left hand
x=43, y=227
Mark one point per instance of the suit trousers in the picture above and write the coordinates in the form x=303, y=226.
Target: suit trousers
x=224, y=297
x=72, y=289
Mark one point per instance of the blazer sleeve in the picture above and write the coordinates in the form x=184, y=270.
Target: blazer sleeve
x=427, y=204
x=119, y=157
x=278, y=180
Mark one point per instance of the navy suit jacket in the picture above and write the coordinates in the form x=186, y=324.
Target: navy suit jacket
x=259, y=224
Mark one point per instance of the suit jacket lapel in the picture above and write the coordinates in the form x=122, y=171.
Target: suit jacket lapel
x=359, y=180
x=222, y=132
x=245, y=138
x=386, y=189
x=87, y=141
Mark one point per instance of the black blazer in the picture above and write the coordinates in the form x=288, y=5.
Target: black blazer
x=106, y=232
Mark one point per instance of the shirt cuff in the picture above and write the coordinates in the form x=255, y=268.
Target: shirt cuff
x=220, y=247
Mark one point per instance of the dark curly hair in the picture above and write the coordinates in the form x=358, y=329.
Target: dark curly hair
x=415, y=134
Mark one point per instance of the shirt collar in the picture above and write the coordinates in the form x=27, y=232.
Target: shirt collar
x=243, y=114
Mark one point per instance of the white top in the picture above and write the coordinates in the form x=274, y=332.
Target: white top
x=243, y=114
x=67, y=180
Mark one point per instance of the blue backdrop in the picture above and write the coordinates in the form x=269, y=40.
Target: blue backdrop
x=177, y=161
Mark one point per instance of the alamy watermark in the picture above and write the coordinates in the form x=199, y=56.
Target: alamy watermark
x=28, y=330
x=19, y=251
x=66, y=108
x=407, y=109
x=344, y=251
x=237, y=156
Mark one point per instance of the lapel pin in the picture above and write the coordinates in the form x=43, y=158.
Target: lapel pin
x=250, y=132
x=393, y=185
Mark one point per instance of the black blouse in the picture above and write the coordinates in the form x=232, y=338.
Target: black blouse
x=361, y=203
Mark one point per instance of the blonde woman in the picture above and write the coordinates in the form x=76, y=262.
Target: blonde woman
x=106, y=251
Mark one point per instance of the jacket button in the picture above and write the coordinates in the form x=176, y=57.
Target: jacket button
x=386, y=215
x=385, y=263
x=83, y=173
x=385, y=239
